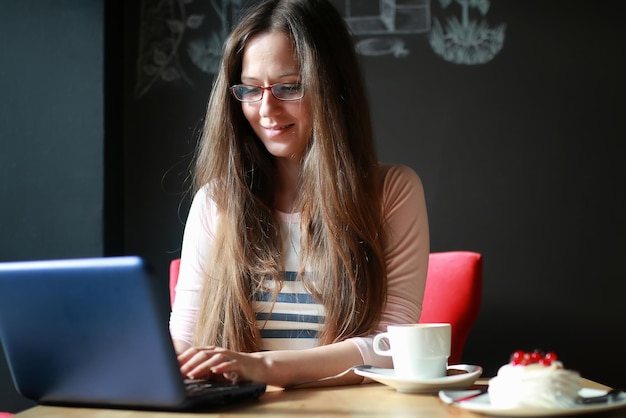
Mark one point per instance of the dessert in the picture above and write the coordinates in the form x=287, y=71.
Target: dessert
x=534, y=380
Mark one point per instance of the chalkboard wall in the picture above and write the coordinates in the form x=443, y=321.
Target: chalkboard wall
x=519, y=142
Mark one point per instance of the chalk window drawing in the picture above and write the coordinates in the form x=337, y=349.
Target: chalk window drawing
x=466, y=41
x=385, y=17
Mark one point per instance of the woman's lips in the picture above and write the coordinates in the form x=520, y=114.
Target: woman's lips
x=277, y=130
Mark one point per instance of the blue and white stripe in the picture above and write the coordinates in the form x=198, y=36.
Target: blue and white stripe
x=293, y=321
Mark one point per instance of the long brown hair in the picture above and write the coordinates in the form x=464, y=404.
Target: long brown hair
x=340, y=200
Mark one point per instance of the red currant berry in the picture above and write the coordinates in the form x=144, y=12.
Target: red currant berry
x=545, y=361
x=517, y=356
x=535, y=357
x=551, y=356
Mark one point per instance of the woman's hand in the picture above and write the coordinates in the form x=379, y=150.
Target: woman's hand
x=277, y=368
x=215, y=362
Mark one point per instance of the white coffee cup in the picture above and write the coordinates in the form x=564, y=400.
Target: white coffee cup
x=418, y=351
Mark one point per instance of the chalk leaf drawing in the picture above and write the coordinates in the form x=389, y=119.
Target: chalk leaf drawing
x=466, y=41
x=205, y=52
x=167, y=30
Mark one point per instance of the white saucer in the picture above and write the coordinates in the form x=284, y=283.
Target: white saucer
x=464, y=375
x=481, y=404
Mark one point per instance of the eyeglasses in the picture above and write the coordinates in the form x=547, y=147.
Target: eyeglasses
x=282, y=91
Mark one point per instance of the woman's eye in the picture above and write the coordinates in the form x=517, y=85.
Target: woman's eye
x=249, y=90
x=290, y=88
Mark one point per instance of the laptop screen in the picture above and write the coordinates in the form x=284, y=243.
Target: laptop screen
x=90, y=332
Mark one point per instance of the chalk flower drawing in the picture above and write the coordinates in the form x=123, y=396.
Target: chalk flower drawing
x=466, y=41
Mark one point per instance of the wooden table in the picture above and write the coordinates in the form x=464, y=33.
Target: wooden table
x=369, y=400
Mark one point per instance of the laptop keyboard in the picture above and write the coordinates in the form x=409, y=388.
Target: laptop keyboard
x=199, y=388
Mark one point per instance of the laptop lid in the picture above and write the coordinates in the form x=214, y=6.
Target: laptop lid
x=94, y=332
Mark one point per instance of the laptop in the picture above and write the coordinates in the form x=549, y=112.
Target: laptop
x=93, y=332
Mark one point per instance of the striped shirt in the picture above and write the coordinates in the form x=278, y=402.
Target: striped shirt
x=294, y=319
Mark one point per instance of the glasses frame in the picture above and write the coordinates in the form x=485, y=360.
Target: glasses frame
x=263, y=89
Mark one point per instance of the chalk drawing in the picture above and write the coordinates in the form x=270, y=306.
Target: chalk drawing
x=383, y=18
x=165, y=33
x=466, y=41
x=177, y=34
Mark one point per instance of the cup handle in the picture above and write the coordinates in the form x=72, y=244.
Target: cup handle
x=378, y=339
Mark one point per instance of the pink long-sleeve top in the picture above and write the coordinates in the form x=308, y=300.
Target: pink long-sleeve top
x=293, y=321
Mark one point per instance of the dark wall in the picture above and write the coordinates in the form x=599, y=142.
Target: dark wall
x=522, y=160
x=51, y=129
x=521, y=157
x=51, y=136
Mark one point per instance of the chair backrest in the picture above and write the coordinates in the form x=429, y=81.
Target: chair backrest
x=453, y=293
x=174, y=268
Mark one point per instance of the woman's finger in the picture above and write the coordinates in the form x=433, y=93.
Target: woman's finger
x=205, y=363
x=192, y=351
x=233, y=377
x=230, y=365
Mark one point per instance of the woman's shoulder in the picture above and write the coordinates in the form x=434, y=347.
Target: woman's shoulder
x=202, y=204
x=400, y=184
x=398, y=174
x=403, y=193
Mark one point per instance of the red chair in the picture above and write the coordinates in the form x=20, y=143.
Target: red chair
x=452, y=295
x=6, y=414
x=174, y=268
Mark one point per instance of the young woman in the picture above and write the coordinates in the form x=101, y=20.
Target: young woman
x=299, y=245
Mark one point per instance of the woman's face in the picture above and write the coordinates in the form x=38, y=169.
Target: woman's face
x=284, y=127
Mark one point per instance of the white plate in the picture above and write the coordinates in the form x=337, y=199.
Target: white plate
x=482, y=405
x=460, y=376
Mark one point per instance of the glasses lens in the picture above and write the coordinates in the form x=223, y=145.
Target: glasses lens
x=247, y=93
x=281, y=91
x=288, y=91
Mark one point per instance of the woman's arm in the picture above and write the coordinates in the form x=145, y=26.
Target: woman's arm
x=197, y=240
x=180, y=346
x=407, y=247
x=278, y=368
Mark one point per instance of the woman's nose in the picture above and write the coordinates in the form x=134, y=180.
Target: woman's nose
x=270, y=105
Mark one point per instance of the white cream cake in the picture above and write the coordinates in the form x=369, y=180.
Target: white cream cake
x=534, y=380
